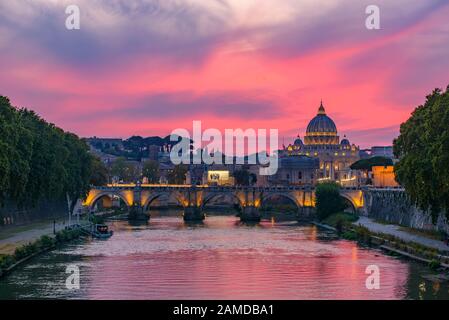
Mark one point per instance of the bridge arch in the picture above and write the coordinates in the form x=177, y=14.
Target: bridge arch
x=109, y=194
x=354, y=197
x=210, y=196
x=269, y=195
x=350, y=202
x=152, y=197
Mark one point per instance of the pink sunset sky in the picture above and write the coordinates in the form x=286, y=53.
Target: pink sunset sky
x=150, y=66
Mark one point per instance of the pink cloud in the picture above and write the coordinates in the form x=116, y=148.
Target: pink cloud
x=262, y=77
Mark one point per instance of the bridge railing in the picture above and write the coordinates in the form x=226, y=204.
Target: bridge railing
x=207, y=187
x=272, y=188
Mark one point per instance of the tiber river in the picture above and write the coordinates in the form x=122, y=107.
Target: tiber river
x=219, y=259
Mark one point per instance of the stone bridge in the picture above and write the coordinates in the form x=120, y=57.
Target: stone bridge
x=193, y=198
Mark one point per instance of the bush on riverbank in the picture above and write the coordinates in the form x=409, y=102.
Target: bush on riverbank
x=434, y=264
x=341, y=220
x=67, y=235
x=5, y=262
x=43, y=243
x=365, y=236
x=25, y=251
x=328, y=200
x=96, y=219
x=359, y=234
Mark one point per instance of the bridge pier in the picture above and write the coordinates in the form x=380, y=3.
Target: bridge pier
x=250, y=214
x=305, y=213
x=136, y=213
x=193, y=213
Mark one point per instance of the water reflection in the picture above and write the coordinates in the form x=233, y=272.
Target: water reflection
x=219, y=258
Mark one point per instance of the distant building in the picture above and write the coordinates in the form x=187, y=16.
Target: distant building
x=383, y=176
x=295, y=170
x=219, y=177
x=385, y=151
x=322, y=142
x=153, y=152
x=164, y=171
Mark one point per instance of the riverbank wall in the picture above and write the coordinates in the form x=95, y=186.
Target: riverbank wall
x=11, y=214
x=394, y=206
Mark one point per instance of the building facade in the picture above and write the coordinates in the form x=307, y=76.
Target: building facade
x=322, y=142
x=384, y=176
x=295, y=170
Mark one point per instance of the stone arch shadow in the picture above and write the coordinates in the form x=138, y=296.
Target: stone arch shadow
x=209, y=197
x=264, y=199
x=179, y=199
x=108, y=194
x=350, y=203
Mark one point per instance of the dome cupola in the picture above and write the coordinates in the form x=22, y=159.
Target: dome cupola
x=321, y=123
x=345, y=142
x=298, y=141
x=321, y=129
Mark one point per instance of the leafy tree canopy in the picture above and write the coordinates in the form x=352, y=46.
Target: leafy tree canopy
x=244, y=178
x=151, y=171
x=125, y=170
x=423, y=150
x=178, y=174
x=367, y=164
x=328, y=199
x=39, y=160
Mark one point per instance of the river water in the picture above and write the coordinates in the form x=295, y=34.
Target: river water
x=219, y=259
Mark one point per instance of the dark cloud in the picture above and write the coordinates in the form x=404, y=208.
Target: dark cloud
x=344, y=25
x=188, y=33
x=167, y=29
x=166, y=106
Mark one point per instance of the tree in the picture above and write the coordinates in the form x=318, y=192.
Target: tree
x=244, y=178
x=100, y=174
x=39, y=160
x=151, y=171
x=367, y=164
x=328, y=200
x=178, y=174
x=423, y=151
x=124, y=170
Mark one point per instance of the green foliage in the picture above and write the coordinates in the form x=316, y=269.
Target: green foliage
x=45, y=242
x=328, y=200
x=244, y=178
x=341, y=220
x=25, y=251
x=423, y=150
x=38, y=160
x=434, y=264
x=99, y=173
x=151, y=171
x=177, y=175
x=349, y=235
x=363, y=234
x=6, y=261
x=367, y=164
x=137, y=147
x=96, y=219
x=67, y=235
x=126, y=171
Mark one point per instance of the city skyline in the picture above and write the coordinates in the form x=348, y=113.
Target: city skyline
x=146, y=68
